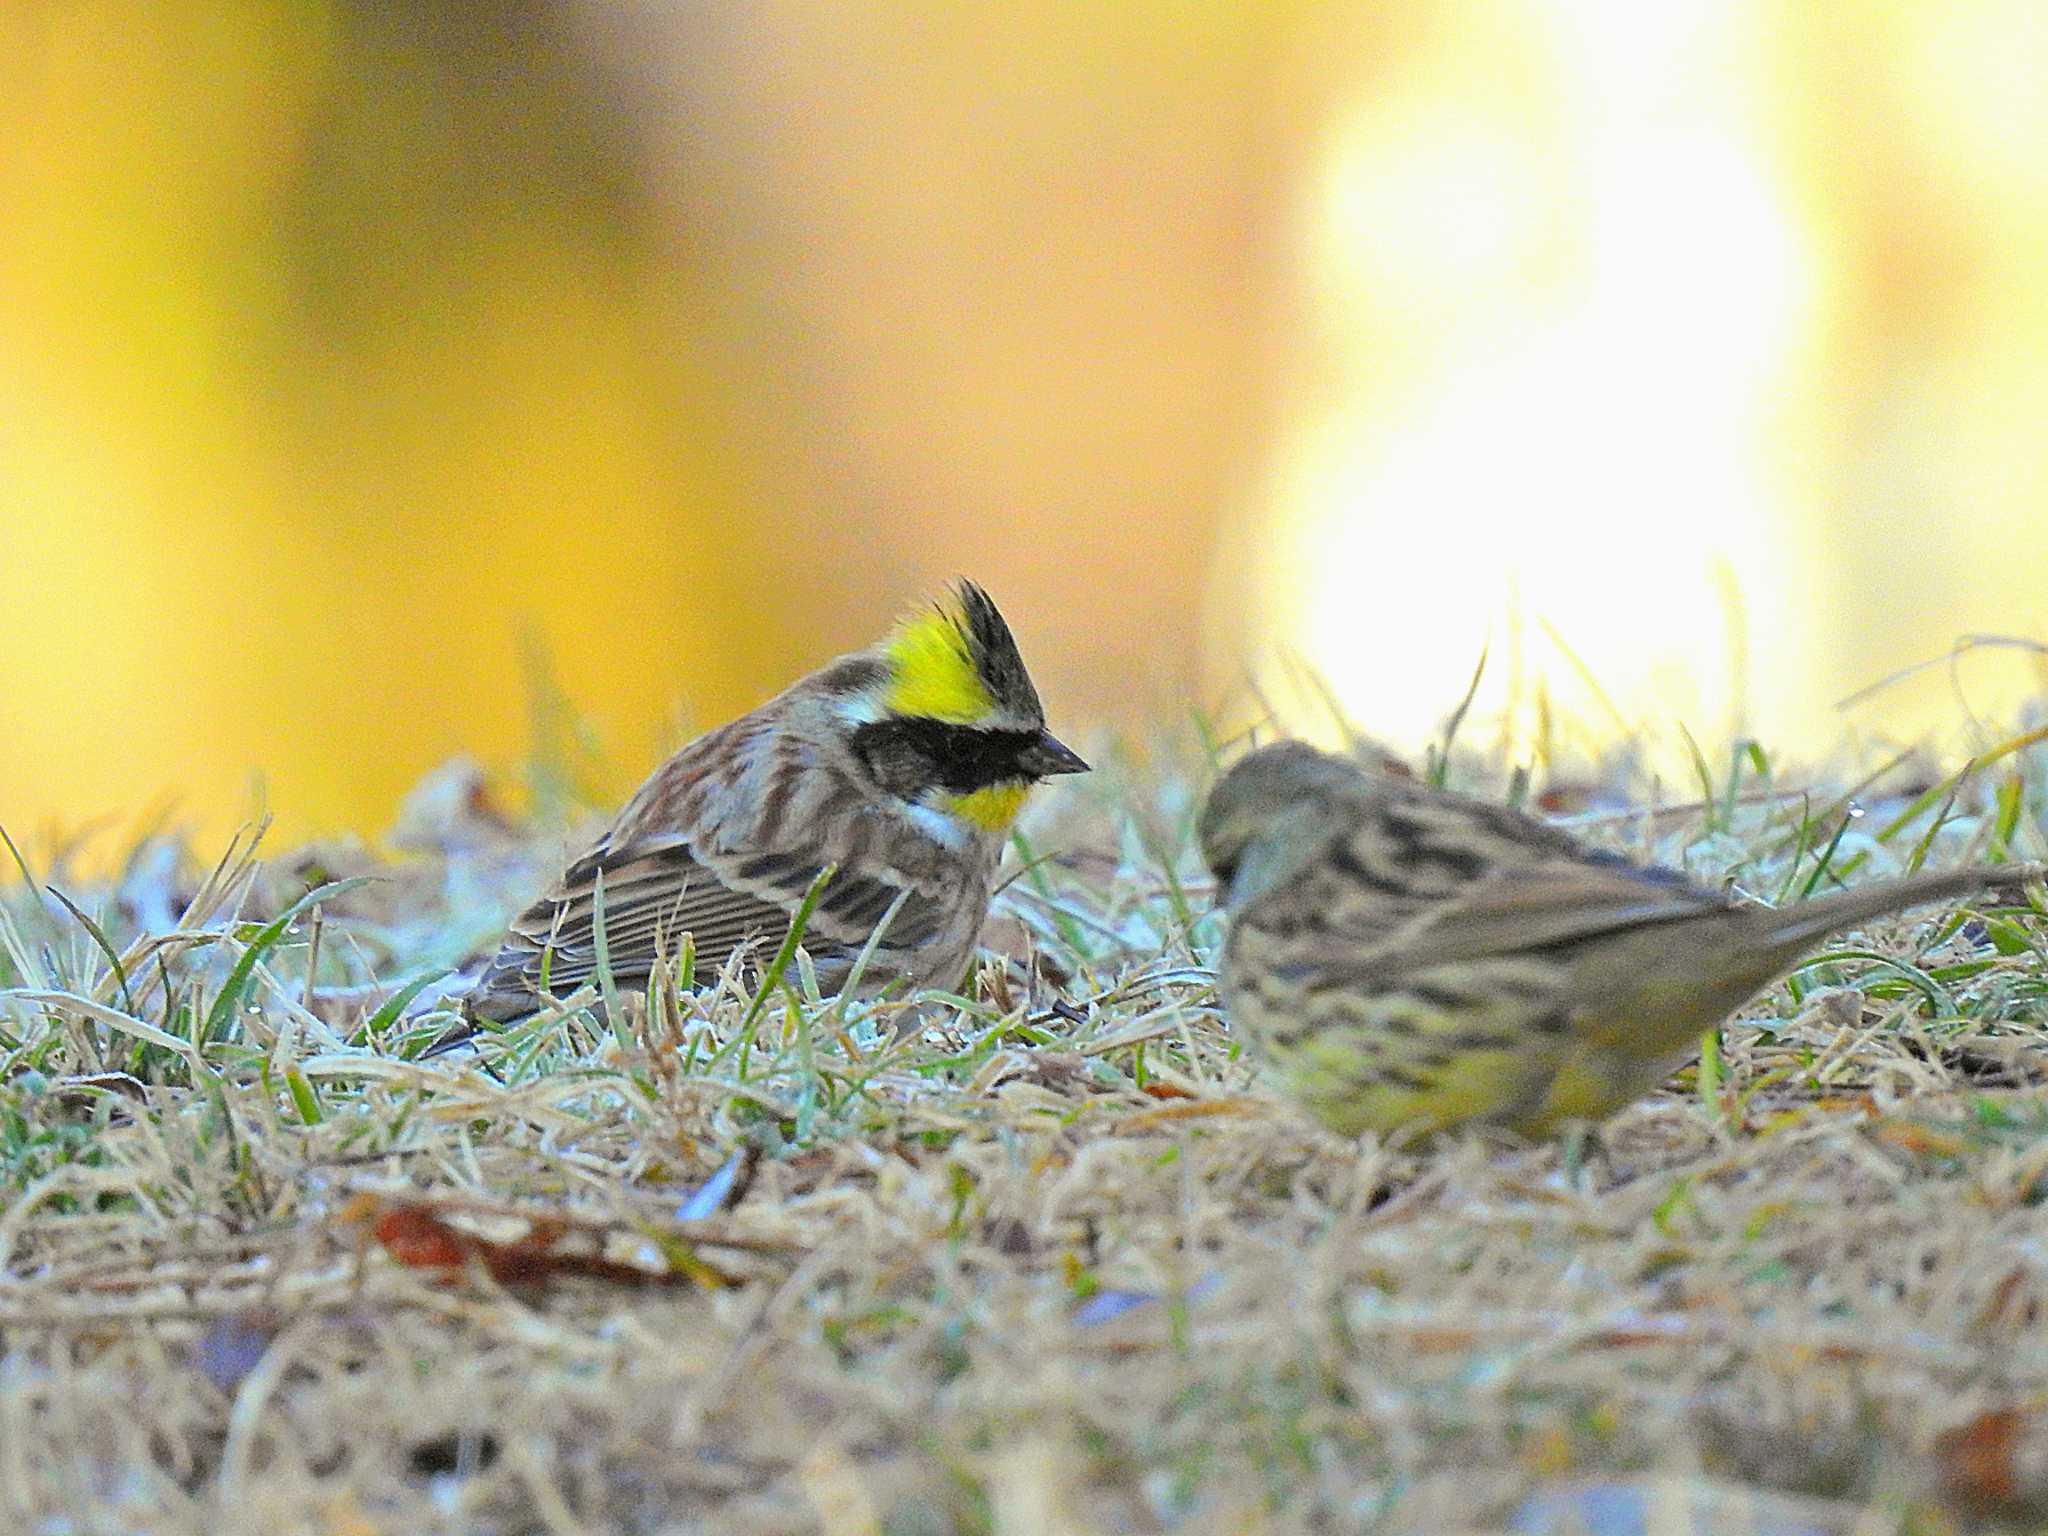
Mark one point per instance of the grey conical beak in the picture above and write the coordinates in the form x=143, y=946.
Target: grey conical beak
x=1049, y=756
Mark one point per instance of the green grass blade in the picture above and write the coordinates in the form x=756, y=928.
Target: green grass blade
x=304, y=1099
x=1440, y=756
x=106, y=947
x=771, y=979
x=607, y=984
x=223, y=1011
x=396, y=1004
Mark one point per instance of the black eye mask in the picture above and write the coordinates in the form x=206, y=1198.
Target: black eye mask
x=907, y=755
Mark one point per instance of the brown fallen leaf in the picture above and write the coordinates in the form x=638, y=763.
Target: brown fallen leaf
x=1196, y=1109
x=1918, y=1139
x=1979, y=1464
x=419, y=1236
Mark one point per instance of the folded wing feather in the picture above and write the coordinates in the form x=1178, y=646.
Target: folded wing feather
x=656, y=890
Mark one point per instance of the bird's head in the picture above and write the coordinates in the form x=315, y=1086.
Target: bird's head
x=948, y=718
x=1272, y=813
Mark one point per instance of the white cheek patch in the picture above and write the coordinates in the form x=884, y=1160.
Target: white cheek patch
x=860, y=709
x=946, y=831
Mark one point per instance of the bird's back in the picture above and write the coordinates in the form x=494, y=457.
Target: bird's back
x=1423, y=966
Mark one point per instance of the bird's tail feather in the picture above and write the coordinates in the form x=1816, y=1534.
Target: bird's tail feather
x=1796, y=927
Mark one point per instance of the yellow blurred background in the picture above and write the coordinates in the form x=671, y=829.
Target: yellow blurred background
x=1691, y=358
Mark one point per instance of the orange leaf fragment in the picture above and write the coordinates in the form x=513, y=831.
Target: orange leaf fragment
x=1979, y=1469
x=1920, y=1140
x=419, y=1237
x=1194, y=1109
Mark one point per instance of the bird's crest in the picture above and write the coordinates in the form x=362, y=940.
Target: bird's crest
x=957, y=661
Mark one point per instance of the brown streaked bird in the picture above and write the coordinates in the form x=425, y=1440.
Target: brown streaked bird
x=903, y=766
x=1404, y=956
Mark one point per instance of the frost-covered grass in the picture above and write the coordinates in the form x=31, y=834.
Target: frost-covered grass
x=1051, y=1262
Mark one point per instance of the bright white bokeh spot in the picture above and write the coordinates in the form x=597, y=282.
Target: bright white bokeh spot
x=1601, y=467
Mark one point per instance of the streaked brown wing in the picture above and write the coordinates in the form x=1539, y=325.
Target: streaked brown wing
x=652, y=897
x=659, y=889
x=1400, y=857
x=850, y=906
x=1556, y=902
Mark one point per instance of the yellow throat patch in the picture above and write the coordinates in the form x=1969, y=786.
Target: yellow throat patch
x=992, y=808
x=934, y=674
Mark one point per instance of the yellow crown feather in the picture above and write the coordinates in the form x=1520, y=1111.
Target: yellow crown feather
x=933, y=672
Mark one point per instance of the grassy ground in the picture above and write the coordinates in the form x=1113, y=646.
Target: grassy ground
x=1039, y=1269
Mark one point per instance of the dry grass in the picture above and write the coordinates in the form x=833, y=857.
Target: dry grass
x=1024, y=1273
